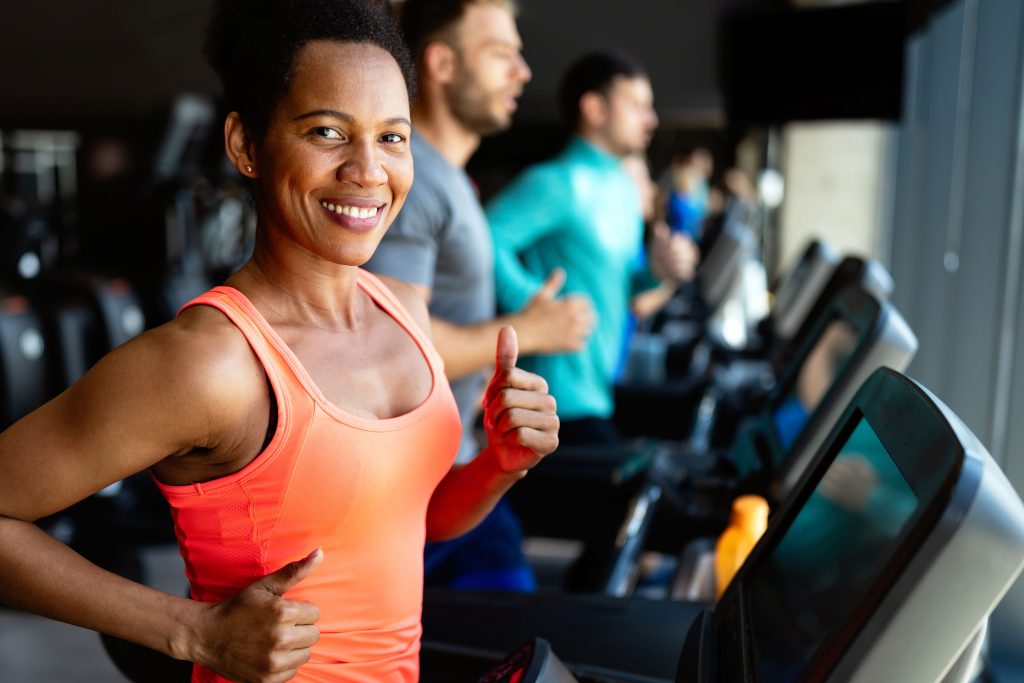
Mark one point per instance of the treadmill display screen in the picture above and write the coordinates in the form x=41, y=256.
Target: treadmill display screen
x=829, y=557
x=815, y=377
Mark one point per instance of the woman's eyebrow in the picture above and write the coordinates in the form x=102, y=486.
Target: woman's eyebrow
x=348, y=118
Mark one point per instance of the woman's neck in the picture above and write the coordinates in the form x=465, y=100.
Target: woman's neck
x=298, y=288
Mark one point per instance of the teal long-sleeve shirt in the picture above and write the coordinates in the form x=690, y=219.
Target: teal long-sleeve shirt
x=581, y=212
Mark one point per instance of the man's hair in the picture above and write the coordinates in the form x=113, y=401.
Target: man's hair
x=424, y=21
x=252, y=44
x=594, y=72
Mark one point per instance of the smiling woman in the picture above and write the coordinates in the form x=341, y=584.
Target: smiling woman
x=297, y=418
x=334, y=166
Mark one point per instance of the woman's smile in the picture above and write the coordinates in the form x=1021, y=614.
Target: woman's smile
x=355, y=215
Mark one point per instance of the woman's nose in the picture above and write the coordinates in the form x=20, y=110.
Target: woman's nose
x=363, y=166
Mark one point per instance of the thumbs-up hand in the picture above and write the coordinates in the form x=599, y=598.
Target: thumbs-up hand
x=553, y=285
x=551, y=325
x=519, y=413
x=259, y=636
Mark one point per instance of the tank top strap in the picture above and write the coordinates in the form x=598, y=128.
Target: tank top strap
x=387, y=300
x=240, y=311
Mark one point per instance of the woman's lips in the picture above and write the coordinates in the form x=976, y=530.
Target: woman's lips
x=357, y=217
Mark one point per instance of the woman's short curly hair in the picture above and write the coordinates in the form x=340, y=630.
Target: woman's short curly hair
x=252, y=44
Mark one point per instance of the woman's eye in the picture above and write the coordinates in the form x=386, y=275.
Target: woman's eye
x=325, y=132
x=392, y=138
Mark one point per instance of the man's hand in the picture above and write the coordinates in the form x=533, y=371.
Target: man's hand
x=519, y=414
x=258, y=636
x=553, y=325
x=674, y=256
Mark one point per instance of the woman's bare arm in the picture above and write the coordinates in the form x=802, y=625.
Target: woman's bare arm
x=522, y=428
x=170, y=391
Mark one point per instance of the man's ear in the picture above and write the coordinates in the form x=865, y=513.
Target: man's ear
x=593, y=109
x=439, y=62
x=238, y=146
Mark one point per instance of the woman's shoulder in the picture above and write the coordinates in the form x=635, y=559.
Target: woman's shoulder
x=208, y=338
x=201, y=353
x=190, y=383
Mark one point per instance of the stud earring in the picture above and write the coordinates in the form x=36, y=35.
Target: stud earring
x=248, y=168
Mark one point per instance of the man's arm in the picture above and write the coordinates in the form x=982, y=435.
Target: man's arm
x=547, y=325
x=649, y=301
x=673, y=256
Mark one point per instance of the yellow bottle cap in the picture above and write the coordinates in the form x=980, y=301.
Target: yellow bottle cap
x=750, y=513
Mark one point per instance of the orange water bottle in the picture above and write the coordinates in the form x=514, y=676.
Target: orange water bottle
x=749, y=520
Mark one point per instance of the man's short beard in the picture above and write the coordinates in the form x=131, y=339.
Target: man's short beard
x=468, y=105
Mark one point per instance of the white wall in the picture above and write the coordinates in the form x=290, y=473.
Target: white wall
x=838, y=187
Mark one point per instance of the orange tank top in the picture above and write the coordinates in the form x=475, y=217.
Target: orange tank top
x=355, y=486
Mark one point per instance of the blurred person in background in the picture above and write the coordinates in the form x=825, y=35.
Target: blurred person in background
x=581, y=211
x=687, y=186
x=648, y=302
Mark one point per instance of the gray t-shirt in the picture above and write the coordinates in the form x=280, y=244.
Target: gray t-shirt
x=440, y=239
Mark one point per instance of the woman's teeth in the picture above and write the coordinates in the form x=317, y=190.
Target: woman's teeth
x=353, y=211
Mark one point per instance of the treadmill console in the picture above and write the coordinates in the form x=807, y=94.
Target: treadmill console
x=856, y=334
x=798, y=292
x=883, y=564
x=869, y=275
x=719, y=268
x=533, y=662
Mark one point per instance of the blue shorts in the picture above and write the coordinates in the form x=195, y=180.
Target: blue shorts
x=490, y=557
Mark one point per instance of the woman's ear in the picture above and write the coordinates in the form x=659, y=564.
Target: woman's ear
x=238, y=146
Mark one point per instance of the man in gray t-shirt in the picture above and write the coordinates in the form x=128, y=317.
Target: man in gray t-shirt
x=471, y=70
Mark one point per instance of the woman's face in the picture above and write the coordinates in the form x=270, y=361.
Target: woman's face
x=334, y=167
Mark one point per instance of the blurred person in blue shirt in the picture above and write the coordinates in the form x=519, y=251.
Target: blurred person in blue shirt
x=581, y=212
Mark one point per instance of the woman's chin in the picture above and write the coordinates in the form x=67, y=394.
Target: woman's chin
x=355, y=257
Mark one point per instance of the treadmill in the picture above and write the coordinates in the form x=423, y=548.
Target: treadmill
x=675, y=492
x=852, y=337
x=650, y=409
x=743, y=382
x=883, y=583
x=719, y=270
x=797, y=292
x=634, y=640
x=872, y=570
x=868, y=273
x=856, y=333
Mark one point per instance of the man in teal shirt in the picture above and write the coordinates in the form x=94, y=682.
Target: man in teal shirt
x=581, y=212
